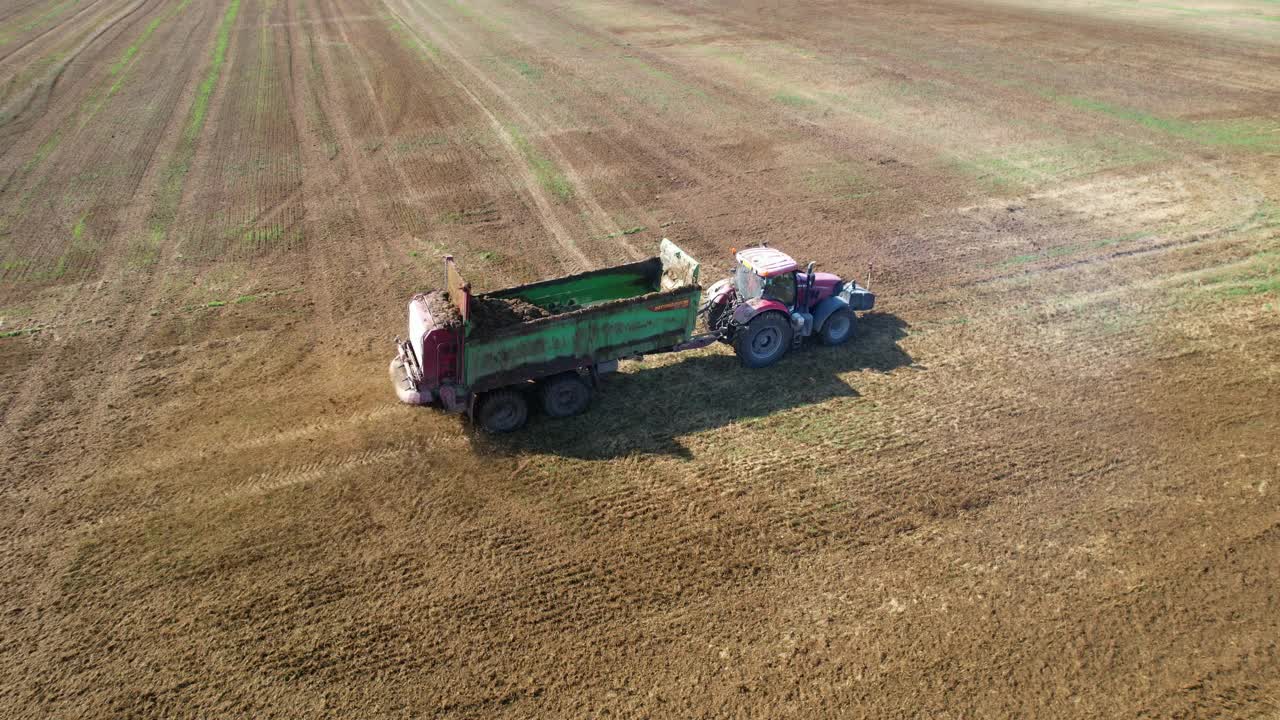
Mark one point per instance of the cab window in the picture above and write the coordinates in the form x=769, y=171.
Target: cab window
x=781, y=288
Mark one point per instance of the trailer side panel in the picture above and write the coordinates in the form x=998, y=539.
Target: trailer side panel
x=595, y=334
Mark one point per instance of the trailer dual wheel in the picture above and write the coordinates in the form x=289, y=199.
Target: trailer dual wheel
x=764, y=340
x=838, y=328
x=503, y=411
x=565, y=394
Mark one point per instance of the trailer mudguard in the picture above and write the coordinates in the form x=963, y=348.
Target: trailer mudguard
x=824, y=310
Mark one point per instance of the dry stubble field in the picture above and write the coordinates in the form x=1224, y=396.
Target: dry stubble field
x=1044, y=480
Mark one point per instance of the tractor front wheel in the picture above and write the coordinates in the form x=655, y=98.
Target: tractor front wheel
x=763, y=341
x=838, y=328
x=503, y=411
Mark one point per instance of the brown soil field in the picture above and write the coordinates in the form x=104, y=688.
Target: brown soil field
x=1044, y=480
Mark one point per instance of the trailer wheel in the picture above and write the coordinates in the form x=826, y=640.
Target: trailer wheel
x=503, y=411
x=764, y=340
x=565, y=394
x=838, y=328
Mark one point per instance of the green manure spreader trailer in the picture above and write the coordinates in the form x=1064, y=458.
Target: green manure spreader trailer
x=489, y=355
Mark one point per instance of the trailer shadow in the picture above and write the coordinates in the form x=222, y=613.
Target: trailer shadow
x=646, y=411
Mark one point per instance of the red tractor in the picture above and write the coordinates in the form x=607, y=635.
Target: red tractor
x=769, y=306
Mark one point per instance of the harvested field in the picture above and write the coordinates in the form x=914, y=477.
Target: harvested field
x=1043, y=481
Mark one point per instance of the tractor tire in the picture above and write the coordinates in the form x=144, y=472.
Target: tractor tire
x=503, y=411
x=838, y=328
x=763, y=341
x=565, y=394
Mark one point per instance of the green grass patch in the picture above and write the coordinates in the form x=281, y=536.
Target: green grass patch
x=240, y=300
x=1266, y=285
x=410, y=41
x=793, y=100
x=259, y=237
x=627, y=231
x=20, y=332
x=42, y=152
x=659, y=94
x=145, y=251
x=416, y=144
x=1072, y=249
x=548, y=175
x=200, y=105
x=839, y=180
x=467, y=216
x=1254, y=134
x=1259, y=275
x=8, y=35
x=165, y=208
x=1029, y=167
x=527, y=71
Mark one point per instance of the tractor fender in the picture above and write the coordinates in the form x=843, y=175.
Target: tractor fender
x=745, y=312
x=719, y=292
x=824, y=310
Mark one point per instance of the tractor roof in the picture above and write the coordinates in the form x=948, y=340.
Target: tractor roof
x=766, y=262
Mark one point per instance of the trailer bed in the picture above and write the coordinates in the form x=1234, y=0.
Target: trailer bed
x=593, y=317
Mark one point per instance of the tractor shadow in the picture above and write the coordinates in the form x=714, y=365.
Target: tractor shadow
x=647, y=410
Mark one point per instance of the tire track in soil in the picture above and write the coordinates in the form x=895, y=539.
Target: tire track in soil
x=98, y=180
x=341, y=176
x=256, y=170
x=148, y=292
x=647, y=142
x=601, y=220
x=62, y=357
x=30, y=422
x=197, y=497
x=350, y=175
x=28, y=130
x=16, y=8
x=16, y=72
x=835, y=136
x=39, y=95
x=546, y=214
x=84, y=10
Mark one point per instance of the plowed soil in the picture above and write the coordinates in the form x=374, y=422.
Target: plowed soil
x=1043, y=481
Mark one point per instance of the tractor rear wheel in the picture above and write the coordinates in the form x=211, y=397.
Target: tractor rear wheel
x=838, y=328
x=565, y=394
x=503, y=411
x=763, y=341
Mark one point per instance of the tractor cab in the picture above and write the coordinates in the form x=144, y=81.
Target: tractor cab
x=763, y=272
